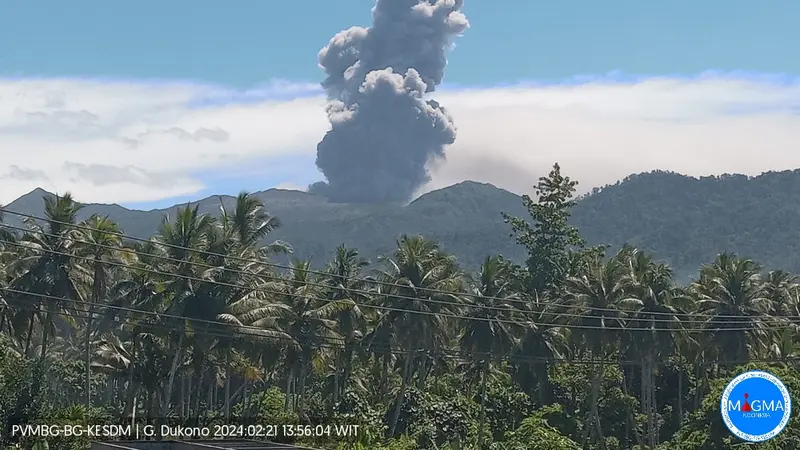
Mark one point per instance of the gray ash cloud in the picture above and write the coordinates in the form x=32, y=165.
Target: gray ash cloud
x=384, y=131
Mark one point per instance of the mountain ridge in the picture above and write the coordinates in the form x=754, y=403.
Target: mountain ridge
x=683, y=220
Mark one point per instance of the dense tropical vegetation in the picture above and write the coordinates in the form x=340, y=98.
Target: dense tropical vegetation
x=575, y=348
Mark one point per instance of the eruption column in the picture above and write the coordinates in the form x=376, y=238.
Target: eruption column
x=384, y=131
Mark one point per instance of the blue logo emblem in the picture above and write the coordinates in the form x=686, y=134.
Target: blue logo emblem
x=756, y=406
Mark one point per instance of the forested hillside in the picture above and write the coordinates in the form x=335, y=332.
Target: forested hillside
x=686, y=221
x=575, y=347
x=683, y=220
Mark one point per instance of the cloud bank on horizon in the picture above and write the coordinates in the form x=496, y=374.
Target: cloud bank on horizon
x=139, y=141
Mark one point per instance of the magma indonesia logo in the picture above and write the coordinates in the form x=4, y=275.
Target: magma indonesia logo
x=756, y=406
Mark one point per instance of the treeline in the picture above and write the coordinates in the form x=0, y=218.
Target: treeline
x=574, y=349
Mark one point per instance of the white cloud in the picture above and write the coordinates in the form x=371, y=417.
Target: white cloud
x=139, y=141
x=288, y=185
x=158, y=134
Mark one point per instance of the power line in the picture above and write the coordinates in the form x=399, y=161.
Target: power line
x=691, y=318
x=274, y=265
x=512, y=357
x=259, y=288
x=394, y=309
x=382, y=348
x=279, y=266
x=265, y=276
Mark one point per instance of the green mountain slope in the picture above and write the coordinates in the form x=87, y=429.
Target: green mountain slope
x=683, y=220
x=687, y=221
x=464, y=217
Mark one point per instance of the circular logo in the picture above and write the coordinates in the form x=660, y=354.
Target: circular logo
x=756, y=406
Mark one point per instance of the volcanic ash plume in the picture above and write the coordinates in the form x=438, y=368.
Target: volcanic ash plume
x=383, y=131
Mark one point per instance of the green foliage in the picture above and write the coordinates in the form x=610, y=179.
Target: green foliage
x=70, y=376
x=74, y=415
x=549, y=237
x=401, y=443
x=572, y=385
x=267, y=407
x=355, y=409
x=506, y=408
x=435, y=420
x=536, y=434
x=705, y=429
x=687, y=221
x=610, y=353
x=22, y=393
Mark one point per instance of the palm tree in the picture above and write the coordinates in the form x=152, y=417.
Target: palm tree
x=345, y=285
x=184, y=242
x=417, y=276
x=50, y=278
x=101, y=243
x=541, y=343
x=238, y=235
x=493, y=335
x=138, y=289
x=731, y=296
x=250, y=223
x=5, y=275
x=785, y=345
x=650, y=296
x=298, y=310
x=780, y=288
x=595, y=297
x=311, y=323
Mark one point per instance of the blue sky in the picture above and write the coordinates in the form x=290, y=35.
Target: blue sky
x=113, y=55
x=510, y=40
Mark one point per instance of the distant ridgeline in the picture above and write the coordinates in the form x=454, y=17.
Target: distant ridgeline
x=683, y=220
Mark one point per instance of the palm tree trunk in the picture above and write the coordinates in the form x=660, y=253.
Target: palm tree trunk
x=210, y=400
x=151, y=404
x=109, y=390
x=46, y=333
x=3, y=314
x=698, y=394
x=429, y=367
x=171, y=380
x=598, y=428
x=348, y=368
x=88, y=361
x=651, y=432
x=189, y=391
x=482, y=415
x=398, y=403
x=200, y=374
x=544, y=383
x=336, y=389
x=29, y=335
x=421, y=374
x=593, y=420
x=288, y=394
x=228, y=374
x=246, y=400
x=680, y=394
x=645, y=396
x=130, y=404
x=97, y=288
x=630, y=423
x=182, y=401
x=235, y=394
x=385, y=375
x=301, y=398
